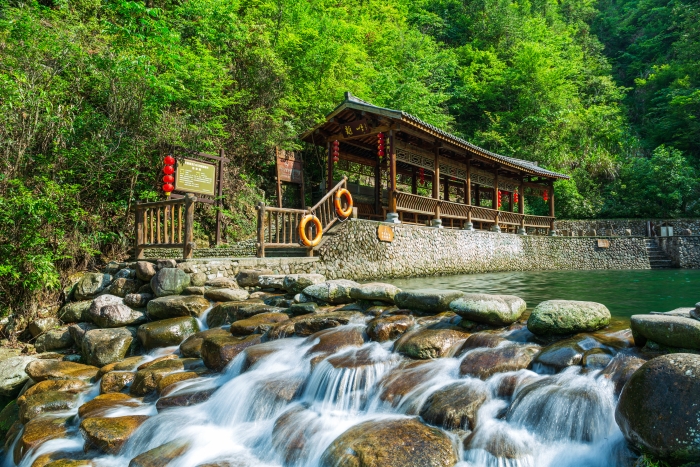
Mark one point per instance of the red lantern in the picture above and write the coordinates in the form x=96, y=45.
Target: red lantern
x=380, y=145
x=168, y=179
x=380, y=136
x=168, y=170
x=169, y=160
x=422, y=176
x=499, y=198
x=545, y=195
x=168, y=188
x=515, y=197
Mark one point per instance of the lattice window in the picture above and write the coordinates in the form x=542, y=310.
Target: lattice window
x=413, y=158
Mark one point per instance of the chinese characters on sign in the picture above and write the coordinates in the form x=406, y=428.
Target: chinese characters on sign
x=358, y=127
x=385, y=233
x=288, y=167
x=195, y=177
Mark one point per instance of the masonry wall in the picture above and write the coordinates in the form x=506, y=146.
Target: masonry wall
x=683, y=250
x=619, y=226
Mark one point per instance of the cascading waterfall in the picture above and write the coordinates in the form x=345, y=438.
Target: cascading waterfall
x=287, y=407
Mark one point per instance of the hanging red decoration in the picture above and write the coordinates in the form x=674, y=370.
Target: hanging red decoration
x=381, y=145
x=168, y=179
x=168, y=188
x=336, y=151
x=422, y=176
x=516, y=197
x=500, y=193
x=545, y=195
x=169, y=160
x=168, y=170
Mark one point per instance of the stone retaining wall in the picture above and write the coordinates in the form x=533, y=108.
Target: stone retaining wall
x=619, y=226
x=684, y=251
x=245, y=248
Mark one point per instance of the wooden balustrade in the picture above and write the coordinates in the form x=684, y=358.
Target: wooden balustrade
x=165, y=224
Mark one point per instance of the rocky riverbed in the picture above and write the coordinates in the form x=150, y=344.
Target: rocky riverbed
x=147, y=365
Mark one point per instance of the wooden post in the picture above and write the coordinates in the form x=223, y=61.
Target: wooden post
x=261, y=230
x=188, y=248
x=377, y=188
x=521, y=206
x=391, y=215
x=494, y=203
x=477, y=192
x=551, y=207
x=437, y=222
x=468, y=184
x=277, y=176
x=138, y=234
x=220, y=202
x=329, y=180
x=446, y=195
x=414, y=181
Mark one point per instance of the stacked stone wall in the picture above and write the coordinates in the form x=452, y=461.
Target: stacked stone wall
x=684, y=251
x=620, y=226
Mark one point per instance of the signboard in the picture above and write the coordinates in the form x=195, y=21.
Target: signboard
x=355, y=128
x=289, y=169
x=194, y=176
x=603, y=243
x=385, y=233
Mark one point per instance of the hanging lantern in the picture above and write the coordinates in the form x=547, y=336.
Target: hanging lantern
x=516, y=197
x=545, y=195
x=381, y=147
x=336, y=151
x=499, y=198
x=422, y=176
x=168, y=170
x=168, y=188
x=168, y=179
x=169, y=160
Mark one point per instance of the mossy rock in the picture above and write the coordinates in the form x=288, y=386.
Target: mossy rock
x=108, y=435
x=561, y=317
x=166, y=332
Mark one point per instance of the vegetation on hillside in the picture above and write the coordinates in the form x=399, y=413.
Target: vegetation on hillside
x=93, y=92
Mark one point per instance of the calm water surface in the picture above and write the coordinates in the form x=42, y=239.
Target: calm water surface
x=625, y=293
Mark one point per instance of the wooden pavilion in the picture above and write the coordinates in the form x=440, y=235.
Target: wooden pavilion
x=428, y=176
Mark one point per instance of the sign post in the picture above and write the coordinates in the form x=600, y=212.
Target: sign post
x=290, y=169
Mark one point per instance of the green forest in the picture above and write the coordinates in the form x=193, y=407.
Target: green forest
x=93, y=91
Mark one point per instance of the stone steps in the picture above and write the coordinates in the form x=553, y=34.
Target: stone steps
x=657, y=257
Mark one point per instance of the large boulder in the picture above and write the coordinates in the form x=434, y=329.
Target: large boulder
x=258, y=324
x=217, y=351
x=91, y=285
x=429, y=343
x=375, y=291
x=78, y=330
x=166, y=332
x=45, y=402
x=330, y=341
x=54, y=339
x=557, y=317
x=12, y=375
x=494, y=310
x=483, y=363
x=295, y=283
x=226, y=295
x=192, y=346
x=177, y=305
x=115, y=315
x=658, y=410
x=145, y=271
x=109, y=434
x=455, y=406
x=169, y=281
x=75, y=312
x=402, y=442
x=389, y=327
x=104, y=346
x=333, y=291
x=41, y=370
x=41, y=325
x=672, y=331
x=427, y=300
x=695, y=312
x=251, y=277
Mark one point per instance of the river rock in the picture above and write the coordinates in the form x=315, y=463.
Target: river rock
x=620, y=370
x=565, y=353
x=454, y=406
x=41, y=325
x=332, y=340
x=596, y=359
x=169, y=281
x=389, y=328
x=494, y=310
x=306, y=325
x=72, y=386
x=483, y=363
x=222, y=283
x=375, y=291
x=117, y=316
x=429, y=343
x=295, y=283
x=8, y=416
x=75, y=312
x=54, y=339
x=122, y=287
x=91, y=285
x=427, y=300
x=557, y=317
x=145, y=270
x=38, y=431
x=184, y=399
x=104, y=346
x=108, y=435
x=128, y=364
x=102, y=301
x=658, y=410
x=258, y=324
x=198, y=279
x=174, y=378
x=147, y=379
x=78, y=330
x=218, y=351
x=228, y=312
x=103, y=403
x=177, y=305
x=666, y=330
x=390, y=443
x=251, y=277
x=166, y=332
x=695, y=312
x=160, y=456
x=192, y=346
x=272, y=281
x=116, y=381
x=482, y=339
x=226, y=295
x=41, y=370
x=333, y=291
x=137, y=300
x=12, y=374
x=298, y=309
x=508, y=449
x=45, y=402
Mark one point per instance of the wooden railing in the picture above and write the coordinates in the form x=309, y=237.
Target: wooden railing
x=415, y=204
x=165, y=224
x=279, y=227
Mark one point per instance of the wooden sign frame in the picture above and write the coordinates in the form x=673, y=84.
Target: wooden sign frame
x=288, y=162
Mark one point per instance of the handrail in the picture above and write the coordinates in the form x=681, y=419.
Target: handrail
x=340, y=184
x=160, y=224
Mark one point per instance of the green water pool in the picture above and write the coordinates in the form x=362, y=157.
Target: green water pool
x=625, y=293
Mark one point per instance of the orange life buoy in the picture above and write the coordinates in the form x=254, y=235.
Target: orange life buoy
x=302, y=230
x=344, y=213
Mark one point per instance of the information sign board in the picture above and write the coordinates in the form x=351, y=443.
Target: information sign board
x=193, y=176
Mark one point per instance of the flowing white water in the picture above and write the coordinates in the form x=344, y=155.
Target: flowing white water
x=286, y=408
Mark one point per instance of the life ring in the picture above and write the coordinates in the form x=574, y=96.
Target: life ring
x=302, y=230
x=338, y=207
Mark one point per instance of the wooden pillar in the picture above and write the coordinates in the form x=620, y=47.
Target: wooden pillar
x=446, y=195
x=521, y=206
x=279, y=181
x=551, y=207
x=496, y=227
x=188, y=248
x=378, y=188
x=437, y=222
x=329, y=179
x=477, y=192
x=468, y=184
x=392, y=173
x=138, y=240
x=414, y=180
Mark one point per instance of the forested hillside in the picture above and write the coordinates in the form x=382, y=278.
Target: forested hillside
x=92, y=92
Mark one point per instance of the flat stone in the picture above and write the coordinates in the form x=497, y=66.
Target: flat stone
x=429, y=343
x=41, y=325
x=54, y=339
x=166, y=332
x=295, y=283
x=333, y=291
x=427, y=300
x=160, y=456
x=116, y=381
x=145, y=270
x=218, y=351
x=194, y=290
x=483, y=363
x=258, y=324
x=332, y=340
x=12, y=374
x=148, y=379
x=672, y=331
x=75, y=312
x=91, y=285
x=557, y=317
x=454, y=406
x=389, y=327
x=226, y=295
x=192, y=346
x=105, y=402
x=45, y=402
x=108, y=435
x=222, y=283
x=104, y=346
x=38, y=431
x=494, y=310
x=375, y=291
x=298, y=309
x=41, y=370
x=174, y=378
x=72, y=386
x=272, y=281
x=169, y=281
x=176, y=306
x=251, y=277
x=306, y=325
x=184, y=399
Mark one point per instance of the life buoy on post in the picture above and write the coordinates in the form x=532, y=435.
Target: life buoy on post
x=302, y=230
x=343, y=213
